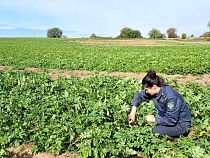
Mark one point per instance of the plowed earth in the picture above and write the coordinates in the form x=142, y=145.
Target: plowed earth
x=54, y=73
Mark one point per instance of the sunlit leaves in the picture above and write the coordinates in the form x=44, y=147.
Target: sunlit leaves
x=46, y=53
x=89, y=116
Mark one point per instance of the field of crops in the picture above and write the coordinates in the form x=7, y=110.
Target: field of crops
x=89, y=116
x=62, y=54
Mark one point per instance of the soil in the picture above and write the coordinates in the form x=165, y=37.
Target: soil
x=138, y=42
x=118, y=42
x=54, y=73
x=24, y=151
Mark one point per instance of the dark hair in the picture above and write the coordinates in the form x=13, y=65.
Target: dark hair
x=152, y=79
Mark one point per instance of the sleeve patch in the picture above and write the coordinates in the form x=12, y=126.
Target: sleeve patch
x=170, y=105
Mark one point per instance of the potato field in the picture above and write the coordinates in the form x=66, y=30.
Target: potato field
x=88, y=116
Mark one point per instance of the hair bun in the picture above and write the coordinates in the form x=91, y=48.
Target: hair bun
x=151, y=73
x=152, y=79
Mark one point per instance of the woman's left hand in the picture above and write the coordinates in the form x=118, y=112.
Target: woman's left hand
x=150, y=118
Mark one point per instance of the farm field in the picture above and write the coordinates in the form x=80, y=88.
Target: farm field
x=84, y=112
x=20, y=53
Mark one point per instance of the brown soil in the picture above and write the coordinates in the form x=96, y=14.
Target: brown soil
x=204, y=79
x=138, y=42
x=117, y=42
x=24, y=151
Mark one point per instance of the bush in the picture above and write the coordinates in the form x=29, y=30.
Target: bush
x=154, y=33
x=54, y=33
x=93, y=36
x=172, y=33
x=207, y=38
x=184, y=36
x=206, y=34
x=129, y=33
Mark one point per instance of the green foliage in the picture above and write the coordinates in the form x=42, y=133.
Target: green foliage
x=129, y=33
x=206, y=34
x=54, y=33
x=93, y=35
x=89, y=116
x=154, y=33
x=208, y=25
x=48, y=53
x=184, y=35
x=171, y=33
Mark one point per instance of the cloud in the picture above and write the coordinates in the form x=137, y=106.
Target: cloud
x=22, y=32
x=5, y=26
x=104, y=18
x=28, y=31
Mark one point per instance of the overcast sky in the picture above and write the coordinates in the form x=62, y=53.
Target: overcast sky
x=81, y=18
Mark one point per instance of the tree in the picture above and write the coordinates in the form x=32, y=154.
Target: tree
x=208, y=25
x=206, y=34
x=54, y=33
x=171, y=33
x=137, y=34
x=129, y=33
x=154, y=33
x=184, y=35
x=93, y=36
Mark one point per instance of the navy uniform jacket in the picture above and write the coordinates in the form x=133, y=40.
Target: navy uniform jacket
x=175, y=110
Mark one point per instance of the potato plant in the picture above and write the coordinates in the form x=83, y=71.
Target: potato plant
x=89, y=117
x=48, y=53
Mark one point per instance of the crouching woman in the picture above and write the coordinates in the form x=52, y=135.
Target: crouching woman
x=175, y=114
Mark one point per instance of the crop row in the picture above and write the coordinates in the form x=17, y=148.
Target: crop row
x=65, y=54
x=90, y=117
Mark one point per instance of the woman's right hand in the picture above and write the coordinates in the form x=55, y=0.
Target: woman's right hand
x=133, y=113
x=132, y=117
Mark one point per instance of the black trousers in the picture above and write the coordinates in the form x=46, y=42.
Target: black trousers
x=174, y=131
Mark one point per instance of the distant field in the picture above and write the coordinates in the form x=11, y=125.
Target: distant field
x=111, y=55
x=144, y=42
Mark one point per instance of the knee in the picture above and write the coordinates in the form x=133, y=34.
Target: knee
x=159, y=129
x=155, y=130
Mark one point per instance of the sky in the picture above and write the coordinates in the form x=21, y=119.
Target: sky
x=105, y=18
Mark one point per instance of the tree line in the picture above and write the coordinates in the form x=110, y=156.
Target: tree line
x=130, y=33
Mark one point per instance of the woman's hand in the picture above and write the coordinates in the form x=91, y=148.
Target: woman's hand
x=150, y=118
x=133, y=113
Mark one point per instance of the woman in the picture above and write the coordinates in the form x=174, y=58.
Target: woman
x=175, y=114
